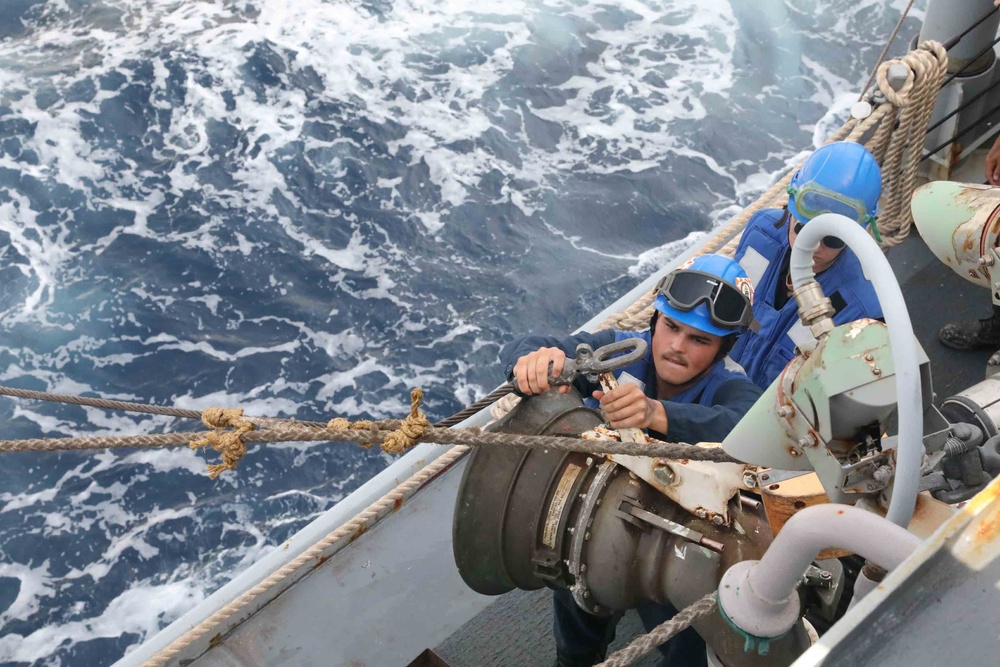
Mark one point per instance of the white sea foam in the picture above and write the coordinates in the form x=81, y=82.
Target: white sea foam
x=130, y=612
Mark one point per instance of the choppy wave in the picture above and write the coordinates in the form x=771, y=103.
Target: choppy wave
x=304, y=209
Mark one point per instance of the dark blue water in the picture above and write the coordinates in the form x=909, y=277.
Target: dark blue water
x=306, y=211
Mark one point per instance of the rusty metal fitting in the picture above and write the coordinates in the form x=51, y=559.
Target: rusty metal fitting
x=815, y=310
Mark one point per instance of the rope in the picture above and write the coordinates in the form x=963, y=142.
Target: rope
x=125, y=406
x=485, y=401
x=927, y=66
x=315, y=555
x=229, y=444
x=414, y=426
x=892, y=37
x=647, y=643
x=369, y=437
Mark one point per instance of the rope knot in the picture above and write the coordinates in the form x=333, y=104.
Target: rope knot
x=229, y=444
x=414, y=426
x=215, y=418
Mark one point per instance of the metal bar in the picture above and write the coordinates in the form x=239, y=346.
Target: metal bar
x=676, y=529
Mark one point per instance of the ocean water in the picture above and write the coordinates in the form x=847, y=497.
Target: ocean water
x=307, y=208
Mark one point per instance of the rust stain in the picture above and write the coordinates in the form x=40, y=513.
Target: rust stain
x=840, y=511
x=988, y=530
x=396, y=504
x=360, y=531
x=321, y=559
x=215, y=641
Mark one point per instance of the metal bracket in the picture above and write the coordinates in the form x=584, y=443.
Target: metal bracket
x=826, y=577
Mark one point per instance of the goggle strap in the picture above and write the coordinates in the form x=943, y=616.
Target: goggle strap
x=875, y=231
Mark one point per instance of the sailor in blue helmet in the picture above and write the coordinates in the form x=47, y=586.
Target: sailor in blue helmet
x=685, y=390
x=842, y=177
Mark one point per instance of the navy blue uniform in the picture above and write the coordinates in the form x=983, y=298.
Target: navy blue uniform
x=705, y=412
x=764, y=254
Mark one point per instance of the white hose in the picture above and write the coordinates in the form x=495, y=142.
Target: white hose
x=910, y=446
x=822, y=527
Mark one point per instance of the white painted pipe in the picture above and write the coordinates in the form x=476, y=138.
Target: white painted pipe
x=910, y=444
x=824, y=527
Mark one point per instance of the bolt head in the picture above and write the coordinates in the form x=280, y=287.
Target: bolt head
x=701, y=513
x=664, y=475
x=718, y=520
x=749, y=480
x=825, y=575
x=795, y=452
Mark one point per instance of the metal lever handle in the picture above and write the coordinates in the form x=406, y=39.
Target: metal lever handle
x=591, y=363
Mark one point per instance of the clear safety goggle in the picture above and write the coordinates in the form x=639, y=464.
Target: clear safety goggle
x=812, y=199
x=727, y=305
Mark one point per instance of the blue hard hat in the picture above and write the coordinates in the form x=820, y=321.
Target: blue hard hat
x=842, y=177
x=731, y=277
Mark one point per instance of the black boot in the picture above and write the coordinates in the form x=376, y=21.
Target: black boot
x=981, y=334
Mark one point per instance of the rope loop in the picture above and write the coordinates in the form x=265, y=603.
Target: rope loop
x=230, y=444
x=897, y=98
x=414, y=426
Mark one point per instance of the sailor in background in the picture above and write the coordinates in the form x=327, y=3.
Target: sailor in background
x=842, y=177
x=686, y=389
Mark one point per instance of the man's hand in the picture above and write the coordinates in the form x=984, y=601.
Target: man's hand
x=993, y=161
x=626, y=406
x=532, y=370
